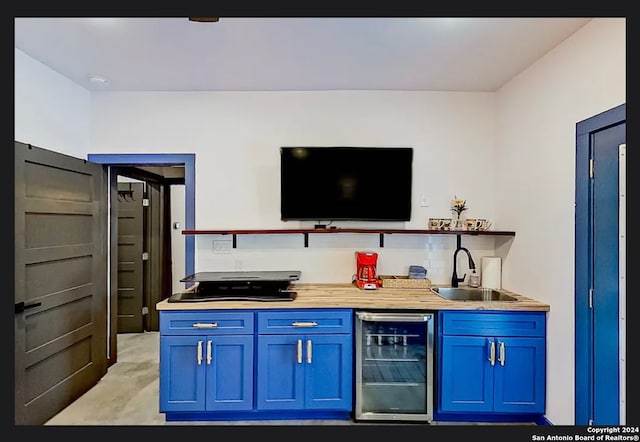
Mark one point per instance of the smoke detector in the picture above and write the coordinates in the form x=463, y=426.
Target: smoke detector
x=98, y=80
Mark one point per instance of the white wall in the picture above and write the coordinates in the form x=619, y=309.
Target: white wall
x=236, y=138
x=510, y=154
x=537, y=114
x=50, y=111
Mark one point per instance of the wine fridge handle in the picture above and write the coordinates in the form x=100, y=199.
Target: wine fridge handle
x=392, y=317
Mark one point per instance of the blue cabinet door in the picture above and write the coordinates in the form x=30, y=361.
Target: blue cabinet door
x=519, y=375
x=229, y=380
x=303, y=372
x=280, y=376
x=328, y=372
x=206, y=373
x=183, y=372
x=466, y=381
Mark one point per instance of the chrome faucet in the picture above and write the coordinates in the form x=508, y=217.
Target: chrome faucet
x=472, y=265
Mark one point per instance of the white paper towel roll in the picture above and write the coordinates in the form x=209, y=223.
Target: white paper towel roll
x=491, y=272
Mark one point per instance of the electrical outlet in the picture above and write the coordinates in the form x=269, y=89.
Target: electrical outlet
x=424, y=201
x=221, y=246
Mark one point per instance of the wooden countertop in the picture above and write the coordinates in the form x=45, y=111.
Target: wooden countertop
x=349, y=296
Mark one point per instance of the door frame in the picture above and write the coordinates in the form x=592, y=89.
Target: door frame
x=111, y=161
x=583, y=266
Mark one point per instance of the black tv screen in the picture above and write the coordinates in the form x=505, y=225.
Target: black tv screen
x=346, y=183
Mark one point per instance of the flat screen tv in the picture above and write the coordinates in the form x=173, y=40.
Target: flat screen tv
x=345, y=183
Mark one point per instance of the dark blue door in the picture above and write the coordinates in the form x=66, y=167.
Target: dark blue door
x=600, y=153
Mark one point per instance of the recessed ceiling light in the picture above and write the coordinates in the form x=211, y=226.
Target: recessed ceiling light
x=98, y=80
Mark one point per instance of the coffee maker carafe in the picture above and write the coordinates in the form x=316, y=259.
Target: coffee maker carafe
x=366, y=276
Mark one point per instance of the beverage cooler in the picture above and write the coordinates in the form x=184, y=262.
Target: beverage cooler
x=394, y=366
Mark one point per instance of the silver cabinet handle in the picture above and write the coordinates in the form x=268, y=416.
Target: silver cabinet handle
x=503, y=354
x=209, y=352
x=492, y=353
x=205, y=325
x=304, y=324
x=199, y=356
x=309, y=351
x=299, y=352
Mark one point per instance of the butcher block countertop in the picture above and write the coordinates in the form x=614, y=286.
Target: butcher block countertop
x=349, y=296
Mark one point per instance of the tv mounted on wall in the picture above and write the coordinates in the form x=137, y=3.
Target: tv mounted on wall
x=346, y=183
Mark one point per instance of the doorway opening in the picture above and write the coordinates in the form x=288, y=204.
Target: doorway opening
x=159, y=174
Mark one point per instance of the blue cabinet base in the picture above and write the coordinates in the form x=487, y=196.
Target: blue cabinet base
x=257, y=415
x=538, y=419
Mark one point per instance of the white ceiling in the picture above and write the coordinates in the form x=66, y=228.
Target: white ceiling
x=299, y=53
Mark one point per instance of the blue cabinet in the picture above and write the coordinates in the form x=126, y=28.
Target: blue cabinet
x=256, y=364
x=491, y=364
x=304, y=360
x=206, y=361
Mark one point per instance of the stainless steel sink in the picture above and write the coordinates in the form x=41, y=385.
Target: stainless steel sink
x=471, y=294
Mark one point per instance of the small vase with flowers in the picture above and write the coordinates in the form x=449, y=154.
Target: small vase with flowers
x=457, y=207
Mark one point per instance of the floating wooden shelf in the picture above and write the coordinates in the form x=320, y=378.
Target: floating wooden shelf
x=380, y=232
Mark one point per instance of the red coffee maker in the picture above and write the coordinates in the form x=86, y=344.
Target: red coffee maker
x=366, y=276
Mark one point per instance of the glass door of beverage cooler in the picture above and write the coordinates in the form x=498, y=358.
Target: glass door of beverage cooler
x=394, y=366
